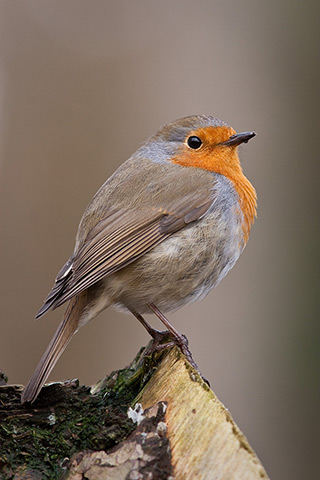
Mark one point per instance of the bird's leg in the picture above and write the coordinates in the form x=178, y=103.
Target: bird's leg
x=180, y=340
x=152, y=331
x=157, y=335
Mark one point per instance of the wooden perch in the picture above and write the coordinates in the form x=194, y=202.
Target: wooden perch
x=157, y=419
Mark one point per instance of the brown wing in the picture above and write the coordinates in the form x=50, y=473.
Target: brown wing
x=117, y=240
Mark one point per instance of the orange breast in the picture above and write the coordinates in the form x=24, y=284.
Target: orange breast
x=222, y=159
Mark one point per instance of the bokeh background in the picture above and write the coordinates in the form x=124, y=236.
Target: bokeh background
x=82, y=84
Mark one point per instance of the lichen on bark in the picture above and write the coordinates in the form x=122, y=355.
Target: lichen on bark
x=65, y=419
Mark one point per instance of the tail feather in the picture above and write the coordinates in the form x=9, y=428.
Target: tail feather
x=56, y=347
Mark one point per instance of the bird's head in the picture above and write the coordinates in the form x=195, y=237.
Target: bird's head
x=208, y=143
x=199, y=141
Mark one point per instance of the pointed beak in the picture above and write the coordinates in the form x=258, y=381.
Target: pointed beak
x=239, y=138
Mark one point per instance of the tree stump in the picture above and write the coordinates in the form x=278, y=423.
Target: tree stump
x=156, y=419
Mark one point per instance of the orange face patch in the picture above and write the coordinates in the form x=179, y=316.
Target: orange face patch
x=213, y=155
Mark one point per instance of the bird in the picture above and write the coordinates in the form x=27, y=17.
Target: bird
x=160, y=233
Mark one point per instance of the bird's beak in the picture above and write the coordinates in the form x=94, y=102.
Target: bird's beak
x=239, y=138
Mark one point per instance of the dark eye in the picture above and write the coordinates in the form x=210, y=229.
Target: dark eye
x=194, y=142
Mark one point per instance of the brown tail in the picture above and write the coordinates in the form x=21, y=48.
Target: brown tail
x=56, y=347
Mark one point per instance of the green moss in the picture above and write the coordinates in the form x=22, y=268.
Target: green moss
x=66, y=419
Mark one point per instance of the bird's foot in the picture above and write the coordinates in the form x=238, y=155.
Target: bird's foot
x=161, y=341
x=167, y=338
x=178, y=339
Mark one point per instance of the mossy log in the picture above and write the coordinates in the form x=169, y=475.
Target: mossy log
x=156, y=419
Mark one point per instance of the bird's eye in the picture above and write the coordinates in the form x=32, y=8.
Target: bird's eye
x=194, y=142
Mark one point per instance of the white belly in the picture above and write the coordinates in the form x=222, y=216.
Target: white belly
x=183, y=268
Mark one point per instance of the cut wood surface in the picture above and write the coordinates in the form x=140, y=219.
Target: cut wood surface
x=157, y=419
x=205, y=441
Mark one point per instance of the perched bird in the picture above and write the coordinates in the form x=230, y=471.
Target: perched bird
x=161, y=232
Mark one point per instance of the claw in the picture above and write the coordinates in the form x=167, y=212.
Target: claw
x=176, y=338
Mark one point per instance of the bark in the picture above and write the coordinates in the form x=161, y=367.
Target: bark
x=156, y=419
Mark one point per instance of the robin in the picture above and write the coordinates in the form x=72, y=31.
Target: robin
x=161, y=232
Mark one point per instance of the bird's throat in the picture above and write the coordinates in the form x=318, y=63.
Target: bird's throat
x=225, y=161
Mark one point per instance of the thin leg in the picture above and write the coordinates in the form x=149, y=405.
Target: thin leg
x=157, y=335
x=152, y=331
x=180, y=340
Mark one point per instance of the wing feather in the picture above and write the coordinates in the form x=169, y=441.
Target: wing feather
x=120, y=238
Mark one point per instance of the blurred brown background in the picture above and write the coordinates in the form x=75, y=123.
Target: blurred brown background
x=82, y=84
